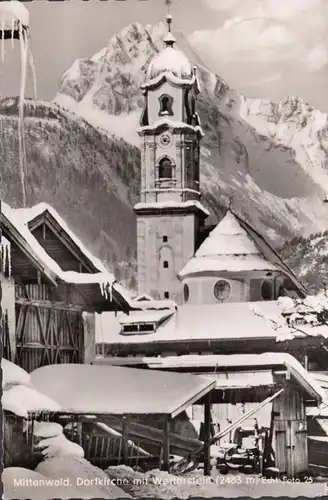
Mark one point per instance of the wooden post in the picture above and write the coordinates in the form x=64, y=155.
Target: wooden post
x=166, y=444
x=125, y=441
x=207, y=435
x=79, y=430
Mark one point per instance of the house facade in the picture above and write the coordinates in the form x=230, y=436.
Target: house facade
x=51, y=290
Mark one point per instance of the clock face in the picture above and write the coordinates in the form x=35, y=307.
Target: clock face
x=165, y=139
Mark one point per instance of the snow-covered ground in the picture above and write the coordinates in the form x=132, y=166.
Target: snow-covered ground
x=159, y=484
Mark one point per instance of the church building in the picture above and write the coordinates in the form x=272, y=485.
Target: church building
x=234, y=263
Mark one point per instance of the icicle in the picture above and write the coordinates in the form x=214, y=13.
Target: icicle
x=21, y=142
x=26, y=431
x=3, y=41
x=12, y=32
x=32, y=65
x=111, y=291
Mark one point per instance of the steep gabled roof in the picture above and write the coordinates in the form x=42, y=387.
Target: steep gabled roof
x=102, y=285
x=271, y=255
x=42, y=212
x=233, y=245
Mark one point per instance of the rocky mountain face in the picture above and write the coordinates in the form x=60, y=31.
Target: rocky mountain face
x=268, y=159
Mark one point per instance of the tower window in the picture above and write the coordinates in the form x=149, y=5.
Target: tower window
x=186, y=292
x=164, y=239
x=165, y=264
x=165, y=169
x=166, y=295
x=165, y=105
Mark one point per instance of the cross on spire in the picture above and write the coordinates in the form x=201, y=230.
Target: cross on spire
x=168, y=3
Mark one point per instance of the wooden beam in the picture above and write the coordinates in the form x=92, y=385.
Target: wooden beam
x=125, y=440
x=207, y=437
x=166, y=444
x=51, y=305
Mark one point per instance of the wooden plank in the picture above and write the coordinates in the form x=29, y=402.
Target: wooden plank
x=166, y=445
x=207, y=440
x=50, y=305
x=125, y=439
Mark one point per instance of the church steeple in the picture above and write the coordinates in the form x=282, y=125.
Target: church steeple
x=169, y=213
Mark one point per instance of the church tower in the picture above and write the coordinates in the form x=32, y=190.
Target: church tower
x=169, y=214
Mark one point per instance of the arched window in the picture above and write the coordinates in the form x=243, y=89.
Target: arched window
x=186, y=292
x=165, y=105
x=165, y=168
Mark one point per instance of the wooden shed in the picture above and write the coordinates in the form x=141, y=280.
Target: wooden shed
x=250, y=379
x=49, y=305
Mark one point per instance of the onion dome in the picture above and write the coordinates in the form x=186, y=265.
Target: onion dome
x=170, y=60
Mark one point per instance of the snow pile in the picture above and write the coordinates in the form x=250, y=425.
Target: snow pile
x=47, y=429
x=13, y=374
x=88, y=479
x=23, y=400
x=19, y=396
x=58, y=446
x=308, y=316
x=160, y=484
x=18, y=484
x=54, y=443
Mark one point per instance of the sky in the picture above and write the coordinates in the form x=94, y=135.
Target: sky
x=263, y=48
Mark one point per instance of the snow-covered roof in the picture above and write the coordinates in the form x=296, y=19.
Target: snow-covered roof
x=170, y=60
x=13, y=374
x=50, y=268
x=16, y=10
x=162, y=205
x=92, y=389
x=203, y=322
x=29, y=214
x=228, y=247
x=235, y=361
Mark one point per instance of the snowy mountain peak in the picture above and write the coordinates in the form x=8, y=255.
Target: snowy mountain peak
x=270, y=158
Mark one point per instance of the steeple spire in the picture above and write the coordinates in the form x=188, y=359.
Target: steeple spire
x=169, y=40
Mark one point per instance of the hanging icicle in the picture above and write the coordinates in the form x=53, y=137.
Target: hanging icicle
x=15, y=20
x=32, y=65
x=5, y=251
x=12, y=32
x=21, y=141
x=3, y=41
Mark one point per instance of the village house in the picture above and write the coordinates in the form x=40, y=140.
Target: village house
x=51, y=289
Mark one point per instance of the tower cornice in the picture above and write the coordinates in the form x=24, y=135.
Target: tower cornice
x=154, y=83
x=174, y=126
x=171, y=207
